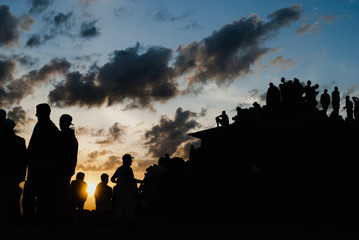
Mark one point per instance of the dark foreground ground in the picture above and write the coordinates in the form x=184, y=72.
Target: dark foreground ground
x=180, y=229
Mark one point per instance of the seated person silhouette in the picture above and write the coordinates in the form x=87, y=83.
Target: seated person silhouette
x=222, y=119
x=78, y=192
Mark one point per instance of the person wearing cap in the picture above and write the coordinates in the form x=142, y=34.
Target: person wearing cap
x=68, y=149
x=125, y=191
x=42, y=153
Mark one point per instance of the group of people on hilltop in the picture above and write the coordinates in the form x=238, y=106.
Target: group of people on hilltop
x=292, y=96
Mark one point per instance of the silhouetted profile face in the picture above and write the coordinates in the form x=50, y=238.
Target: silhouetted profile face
x=65, y=121
x=127, y=159
x=43, y=111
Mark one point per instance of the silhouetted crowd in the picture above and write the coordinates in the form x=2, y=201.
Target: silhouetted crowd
x=48, y=164
x=266, y=155
x=294, y=98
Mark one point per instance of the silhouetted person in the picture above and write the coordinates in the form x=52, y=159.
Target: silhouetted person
x=103, y=199
x=152, y=178
x=15, y=169
x=222, y=119
x=5, y=159
x=356, y=107
x=283, y=90
x=273, y=98
x=125, y=191
x=68, y=148
x=237, y=118
x=39, y=192
x=298, y=91
x=348, y=107
x=78, y=192
x=103, y=195
x=307, y=91
x=325, y=101
x=336, y=101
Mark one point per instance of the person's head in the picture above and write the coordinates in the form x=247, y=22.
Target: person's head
x=325, y=90
x=104, y=178
x=282, y=80
x=223, y=112
x=65, y=121
x=347, y=98
x=127, y=159
x=271, y=84
x=43, y=111
x=10, y=123
x=2, y=115
x=309, y=82
x=336, y=88
x=80, y=176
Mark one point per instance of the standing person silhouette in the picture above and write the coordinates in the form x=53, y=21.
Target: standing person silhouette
x=15, y=172
x=325, y=101
x=68, y=146
x=39, y=193
x=78, y=192
x=125, y=191
x=103, y=194
x=336, y=102
x=103, y=199
x=349, y=108
x=273, y=98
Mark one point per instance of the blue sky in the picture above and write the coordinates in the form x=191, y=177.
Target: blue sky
x=114, y=65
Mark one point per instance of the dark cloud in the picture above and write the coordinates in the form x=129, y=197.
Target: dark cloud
x=230, y=52
x=91, y=165
x=164, y=15
x=7, y=68
x=115, y=133
x=34, y=41
x=137, y=78
x=55, y=24
x=17, y=89
x=89, y=29
x=169, y=135
x=18, y=114
x=129, y=77
x=38, y=6
x=9, y=34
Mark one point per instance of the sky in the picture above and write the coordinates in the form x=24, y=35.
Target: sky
x=138, y=76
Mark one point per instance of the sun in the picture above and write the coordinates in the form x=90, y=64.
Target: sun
x=91, y=187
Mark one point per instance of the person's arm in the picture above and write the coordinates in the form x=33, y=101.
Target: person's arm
x=114, y=177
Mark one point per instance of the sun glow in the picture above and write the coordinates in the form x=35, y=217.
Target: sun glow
x=91, y=187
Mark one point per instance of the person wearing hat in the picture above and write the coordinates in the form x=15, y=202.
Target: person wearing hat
x=125, y=191
x=68, y=149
